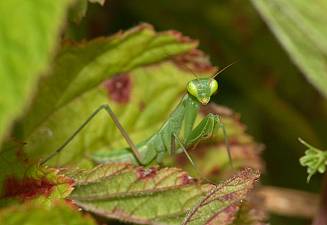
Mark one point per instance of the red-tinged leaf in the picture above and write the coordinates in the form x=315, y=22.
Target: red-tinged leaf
x=136, y=194
x=22, y=180
x=27, y=187
x=221, y=204
x=154, y=196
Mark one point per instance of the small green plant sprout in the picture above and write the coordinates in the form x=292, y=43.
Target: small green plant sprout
x=314, y=158
x=177, y=133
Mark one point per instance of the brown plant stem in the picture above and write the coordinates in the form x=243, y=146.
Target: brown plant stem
x=290, y=202
x=321, y=215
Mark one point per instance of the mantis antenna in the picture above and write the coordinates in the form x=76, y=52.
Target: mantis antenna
x=223, y=69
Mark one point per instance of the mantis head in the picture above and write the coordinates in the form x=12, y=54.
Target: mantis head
x=202, y=89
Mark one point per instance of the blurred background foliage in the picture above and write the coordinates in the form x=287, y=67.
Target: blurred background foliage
x=271, y=94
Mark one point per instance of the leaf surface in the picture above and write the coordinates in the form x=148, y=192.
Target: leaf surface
x=136, y=194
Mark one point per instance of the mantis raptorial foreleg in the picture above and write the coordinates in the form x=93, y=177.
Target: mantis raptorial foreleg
x=205, y=129
x=107, y=108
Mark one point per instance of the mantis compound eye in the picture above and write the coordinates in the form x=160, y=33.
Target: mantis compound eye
x=213, y=86
x=192, y=89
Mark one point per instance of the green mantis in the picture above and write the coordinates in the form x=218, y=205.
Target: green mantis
x=175, y=135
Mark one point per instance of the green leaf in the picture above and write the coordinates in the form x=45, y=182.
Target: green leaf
x=58, y=213
x=221, y=204
x=301, y=28
x=132, y=194
x=29, y=31
x=78, y=86
x=79, y=68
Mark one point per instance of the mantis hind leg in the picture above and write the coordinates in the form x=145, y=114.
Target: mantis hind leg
x=107, y=108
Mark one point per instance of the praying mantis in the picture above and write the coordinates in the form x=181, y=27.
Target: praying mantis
x=175, y=135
